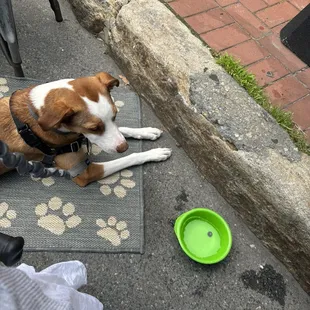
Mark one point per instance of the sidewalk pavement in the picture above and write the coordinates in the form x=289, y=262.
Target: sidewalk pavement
x=251, y=278
x=249, y=30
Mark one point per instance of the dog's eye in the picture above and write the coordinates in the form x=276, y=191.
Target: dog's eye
x=96, y=128
x=92, y=128
x=113, y=118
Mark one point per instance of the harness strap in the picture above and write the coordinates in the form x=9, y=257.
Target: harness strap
x=30, y=137
x=34, y=141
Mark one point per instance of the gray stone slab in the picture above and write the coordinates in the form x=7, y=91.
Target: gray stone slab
x=237, y=117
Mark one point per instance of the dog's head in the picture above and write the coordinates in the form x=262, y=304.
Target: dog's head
x=83, y=105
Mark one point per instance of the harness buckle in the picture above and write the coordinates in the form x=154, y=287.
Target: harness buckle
x=24, y=129
x=75, y=146
x=88, y=146
x=48, y=160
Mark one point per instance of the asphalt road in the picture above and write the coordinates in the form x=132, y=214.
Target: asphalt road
x=163, y=277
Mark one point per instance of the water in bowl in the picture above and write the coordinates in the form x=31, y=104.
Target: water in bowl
x=201, y=238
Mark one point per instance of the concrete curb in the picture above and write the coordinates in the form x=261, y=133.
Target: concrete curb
x=237, y=146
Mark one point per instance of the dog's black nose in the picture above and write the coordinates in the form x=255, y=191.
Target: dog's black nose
x=122, y=147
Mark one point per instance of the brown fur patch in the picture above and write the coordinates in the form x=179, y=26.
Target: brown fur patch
x=91, y=87
x=93, y=173
x=108, y=80
x=88, y=87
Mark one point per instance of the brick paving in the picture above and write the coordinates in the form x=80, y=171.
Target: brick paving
x=249, y=30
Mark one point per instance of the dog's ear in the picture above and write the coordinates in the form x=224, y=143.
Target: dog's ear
x=53, y=115
x=108, y=80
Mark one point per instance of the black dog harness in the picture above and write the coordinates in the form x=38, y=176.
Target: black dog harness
x=49, y=152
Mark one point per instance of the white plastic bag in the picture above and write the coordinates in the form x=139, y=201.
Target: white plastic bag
x=60, y=283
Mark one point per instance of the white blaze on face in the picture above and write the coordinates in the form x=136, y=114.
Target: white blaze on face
x=111, y=137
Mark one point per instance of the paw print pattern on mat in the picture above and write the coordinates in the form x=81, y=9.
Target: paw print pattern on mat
x=56, y=217
x=45, y=181
x=95, y=149
x=6, y=215
x=113, y=231
x=3, y=87
x=119, y=104
x=119, y=183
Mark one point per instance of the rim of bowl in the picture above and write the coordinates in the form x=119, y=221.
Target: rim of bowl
x=187, y=215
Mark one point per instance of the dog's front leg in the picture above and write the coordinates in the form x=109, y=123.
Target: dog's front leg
x=97, y=171
x=148, y=133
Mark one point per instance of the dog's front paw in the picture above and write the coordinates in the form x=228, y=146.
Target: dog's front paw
x=150, y=133
x=159, y=154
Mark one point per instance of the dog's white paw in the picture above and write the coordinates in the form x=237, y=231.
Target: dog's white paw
x=159, y=154
x=150, y=133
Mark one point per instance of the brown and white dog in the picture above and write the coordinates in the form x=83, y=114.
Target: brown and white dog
x=75, y=107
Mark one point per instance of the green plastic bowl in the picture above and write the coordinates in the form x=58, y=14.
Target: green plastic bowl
x=203, y=235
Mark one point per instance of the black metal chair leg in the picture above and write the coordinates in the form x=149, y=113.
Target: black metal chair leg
x=8, y=37
x=56, y=8
x=17, y=67
x=18, y=70
x=10, y=47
